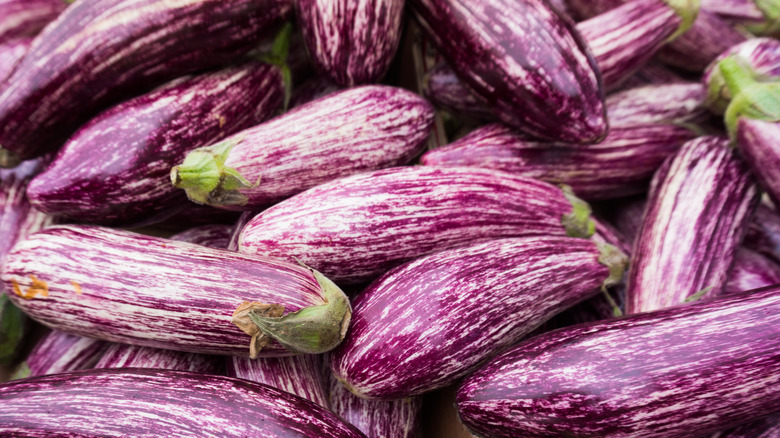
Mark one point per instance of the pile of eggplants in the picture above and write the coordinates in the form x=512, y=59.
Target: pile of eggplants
x=230, y=218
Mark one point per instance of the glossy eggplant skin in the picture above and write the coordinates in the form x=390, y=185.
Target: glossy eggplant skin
x=356, y=228
x=429, y=322
x=60, y=352
x=124, y=287
x=751, y=270
x=539, y=77
x=300, y=375
x=699, y=209
x=10, y=54
x=763, y=236
x=72, y=72
x=757, y=140
x=25, y=18
x=768, y=427
x=658, y=103
x=133, y=356
x=656, y=374
x=351, y=41
x=705, y=40
x=147, y=402
x=115, y=170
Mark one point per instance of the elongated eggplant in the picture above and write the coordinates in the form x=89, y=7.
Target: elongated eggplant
x=356, y=228
x=300, y=375
x=538, y=77
x=25, y=18
x=763, y=235
x=115, y=169
x=351, y=41
x=146, y=402
x=427, y=323
x=657, y=374
x=355, y=130
x=751, y=270
x=10, y=54
x=124, y=287
x=73, y=71
x=214, y=236
x=621, y=165
x=757, y=141
x=133, y=356
x=375, y=418
x=695, y=219
x=60, y=352
x=678, y=102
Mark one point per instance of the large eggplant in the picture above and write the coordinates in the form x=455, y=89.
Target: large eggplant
x=351, y=41
x=758, y=143
x=60, y=352
x=115, y=170
x=25, y=18
x=536, y=73
x=154, y=292
x=352, y=131
x=147, y=402
x=10, y=54
x=682, y=371
x=695, y=218
x=300, y=375
x=678, y=102
x=356, y=228
x=73, y=70
x=425, y=324
x=133, y=356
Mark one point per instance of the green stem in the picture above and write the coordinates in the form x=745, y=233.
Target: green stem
x=615, y=260
x=698, y=295
x=577, y=222
x=737, y=77
x=688, y=10
x=770, y=9
x=278, y=57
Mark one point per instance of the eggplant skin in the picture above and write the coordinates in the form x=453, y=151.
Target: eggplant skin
x=73, y=71
x=60, y=352
x=538, y=77
x=24, y=18
x=148, y=402
x=676, y=372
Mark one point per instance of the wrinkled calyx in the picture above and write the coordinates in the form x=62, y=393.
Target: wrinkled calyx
x=751, y=98
x=687, y=10
x=577, y=222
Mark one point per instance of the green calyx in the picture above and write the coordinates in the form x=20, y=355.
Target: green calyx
x=8, y=159
x=207, y=180
x=278, y=57
x=578, y=222
x=698, y=295
x=770, y=9
x=687, y=10
x=751, y=98
x=313, y=329
x=615, y=260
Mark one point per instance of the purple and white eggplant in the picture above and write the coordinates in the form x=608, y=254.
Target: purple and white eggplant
x=763, y=235
x=133, y=356
x=356, y=228
x=60, y=352
x=425, y=324
x=681, y=371
x=525, y=60
x=351, y=41
x=445, y=91
x=10, y=54
x=768, y=427
x=758, y=142
x=300, y=375
x=25, y=18
x=621, y=165
x=125, y=287
x=72, y=71
x=115, y=169
x=347, y=132
x=678, y=102
x=751, y=270
x=695, y=218
x=146, y=402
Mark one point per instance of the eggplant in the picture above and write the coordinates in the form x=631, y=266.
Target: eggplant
x=148, y=402
x=763, y=235
x=351, y=41
x=757, y=141
x=695, y=219
x=427, y=323
x=114, y=170
x=621, y=165
x=751, y=270
x=214, y=236
x=300, y=375
x=676, y=103
x=73, y=71
x=768, y=427
x=25, y=18
x=376, y=418
x=356, y=228
x=682, y=371
x=60, y=352
x=132, y=356
x=652, y=73
x=124, y=287
x=10, y=54
x=536, y=73
x=443, y=88
x=355, y=130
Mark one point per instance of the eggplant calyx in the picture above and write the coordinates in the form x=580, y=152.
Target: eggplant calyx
x=577, y=222
x=687, y=10
x=752, y=98
x=770, y=9
x=278, y=57
x=207, y=180
x=313, y=329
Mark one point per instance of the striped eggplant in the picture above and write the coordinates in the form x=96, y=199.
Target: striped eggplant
x=356, y=228
x=351, y=41
x=148, y=402
x=124, y=287
x=621, y=165
x=682, y=371
x=759, y=56
x=351, y=131
x=300, y=375
x=114, y=170
x=763, y=235
x=677, y=102
x=72, y=71
x=768, y=427
x=757, y=140
x=760, y=17
x=10, y=54
x=214, y=236
x=376, y=418
x=538, y=77
x=696, y=216
x=652, y=73
x=427, y=323
x=133, y=356
x=60, y=352
x=751, y=270
x=25, y=18
x=445, y=91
